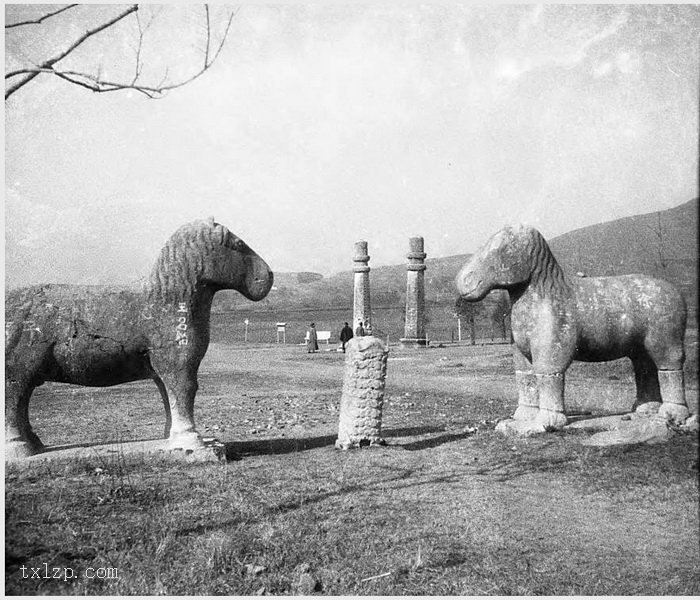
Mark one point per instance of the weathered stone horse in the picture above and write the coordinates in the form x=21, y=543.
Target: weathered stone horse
x=556, y=319
x=100, y=336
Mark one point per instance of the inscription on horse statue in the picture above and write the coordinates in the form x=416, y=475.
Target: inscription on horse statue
x=556, y=319
x=104, y=336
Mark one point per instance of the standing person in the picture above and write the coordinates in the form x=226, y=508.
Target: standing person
x=359, y=330
x=368, y=328
x=345, y=334
x=312, y=342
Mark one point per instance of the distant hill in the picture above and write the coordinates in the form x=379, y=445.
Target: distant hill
x=663, y=244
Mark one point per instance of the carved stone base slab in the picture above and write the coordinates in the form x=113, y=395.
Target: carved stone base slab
x=212, y=451
x=632, y=428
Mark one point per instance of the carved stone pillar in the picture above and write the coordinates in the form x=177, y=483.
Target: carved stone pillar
x=361, y=307
x=361, y=403
x=414, y=333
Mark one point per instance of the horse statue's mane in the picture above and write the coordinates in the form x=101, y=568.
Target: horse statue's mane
x=181, y=260
x=546, y=275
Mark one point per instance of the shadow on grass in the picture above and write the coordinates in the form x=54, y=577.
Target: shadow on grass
x=238, y=450
x=118, y=442
x=436, y=441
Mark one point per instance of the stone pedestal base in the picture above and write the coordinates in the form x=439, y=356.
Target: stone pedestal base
x=631, y=428
x=360, y=421
x=211, y=450
x=413, y=342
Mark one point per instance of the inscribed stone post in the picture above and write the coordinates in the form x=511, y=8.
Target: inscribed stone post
x=362, y=399
x=414, y=332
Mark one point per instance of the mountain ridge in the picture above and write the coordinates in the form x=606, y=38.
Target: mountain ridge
x=661, y=243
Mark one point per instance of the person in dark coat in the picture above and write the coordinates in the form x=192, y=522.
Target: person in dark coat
x=312, y=342
x=345, y=334
x=359, y=330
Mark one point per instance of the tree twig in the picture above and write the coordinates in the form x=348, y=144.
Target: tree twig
x=40, y=19
x=97, y=84
x=206, y=52
x=48, y=64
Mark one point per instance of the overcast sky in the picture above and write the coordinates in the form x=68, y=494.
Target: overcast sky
x=320, y=126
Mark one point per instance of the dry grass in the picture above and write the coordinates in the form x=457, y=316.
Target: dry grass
x=443, y=509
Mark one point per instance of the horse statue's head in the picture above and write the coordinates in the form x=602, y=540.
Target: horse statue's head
x=505, y=261
x=207, y=254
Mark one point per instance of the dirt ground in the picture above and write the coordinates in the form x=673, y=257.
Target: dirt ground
x=448, y=507
x=257, y=392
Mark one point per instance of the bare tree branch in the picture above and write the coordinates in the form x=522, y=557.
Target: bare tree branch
x=40, y=19
x=96, y=83
x=49, y=63
x=206, y=52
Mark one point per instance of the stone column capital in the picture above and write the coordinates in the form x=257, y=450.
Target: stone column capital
x=416, y=267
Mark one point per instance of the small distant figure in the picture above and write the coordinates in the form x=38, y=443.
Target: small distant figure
x=359, y=330
x=368, y=328
x=312, y=342
x=345, y=335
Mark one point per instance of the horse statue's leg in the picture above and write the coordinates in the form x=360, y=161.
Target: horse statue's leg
x=166, y=404
x=20, y=439
x=666, y=348
x=646, y=378
x=540, y=397
x=180, y=388
x=674, y=407
x=550, y=387
x=528, y=399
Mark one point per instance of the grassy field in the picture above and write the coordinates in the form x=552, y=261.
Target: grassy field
x=447, y=507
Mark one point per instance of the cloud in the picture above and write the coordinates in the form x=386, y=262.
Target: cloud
x=539, y=46
x=579, y=53
x=511, y=69
x=530, y=19
x=602, y=68
x=628, y=62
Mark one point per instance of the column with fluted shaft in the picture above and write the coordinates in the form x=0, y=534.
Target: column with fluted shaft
x=361, y=307
x=414, y=332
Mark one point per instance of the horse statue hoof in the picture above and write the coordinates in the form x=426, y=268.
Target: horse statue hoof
x=648, y=408
x=526, y=413
x=551, y=420
x=18, y=450
x=674, y=413
x=519, y=427
x=189, y=440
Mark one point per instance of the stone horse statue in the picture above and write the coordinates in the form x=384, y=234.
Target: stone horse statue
x=556, y=319
x=101, y=336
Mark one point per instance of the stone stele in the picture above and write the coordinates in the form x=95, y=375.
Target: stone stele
x=362, y=399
